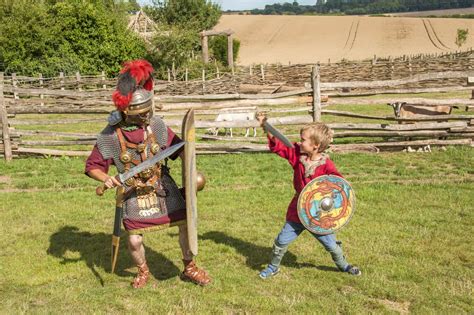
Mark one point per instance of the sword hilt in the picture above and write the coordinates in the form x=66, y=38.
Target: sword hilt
x=99, y=191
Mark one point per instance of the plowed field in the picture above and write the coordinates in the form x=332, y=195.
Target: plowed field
x=308, y=39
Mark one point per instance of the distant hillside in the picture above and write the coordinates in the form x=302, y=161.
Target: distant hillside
x=360, y=7
x=308, y=39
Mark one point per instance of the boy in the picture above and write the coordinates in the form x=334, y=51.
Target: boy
x=308, y=161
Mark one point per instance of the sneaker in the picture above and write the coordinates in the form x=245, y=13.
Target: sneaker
x=269, y=272
x=353, y=270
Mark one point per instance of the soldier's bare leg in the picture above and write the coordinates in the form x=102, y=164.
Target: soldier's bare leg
x=137, y=251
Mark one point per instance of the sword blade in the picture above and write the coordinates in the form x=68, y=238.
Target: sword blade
x=277, y=134
x=150, y=162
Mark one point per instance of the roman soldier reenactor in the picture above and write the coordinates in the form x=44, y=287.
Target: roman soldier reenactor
x=150, y=200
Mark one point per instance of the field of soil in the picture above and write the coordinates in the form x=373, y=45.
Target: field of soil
x=308, y=39
x=436, y=12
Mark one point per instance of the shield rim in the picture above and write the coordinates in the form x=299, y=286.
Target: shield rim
x=319, y=178
x=189, y=180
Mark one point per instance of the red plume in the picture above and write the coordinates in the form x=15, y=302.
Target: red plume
x=134, y=74
x=121, y=101
x=140, y=70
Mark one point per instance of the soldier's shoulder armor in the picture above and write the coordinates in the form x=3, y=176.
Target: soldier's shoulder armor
x=107, y=142
x=158, y=127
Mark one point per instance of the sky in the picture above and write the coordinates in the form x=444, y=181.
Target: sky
x=246, y=4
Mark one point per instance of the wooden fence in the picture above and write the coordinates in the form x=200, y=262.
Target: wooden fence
x=22, y=99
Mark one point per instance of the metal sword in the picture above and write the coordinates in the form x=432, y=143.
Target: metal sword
x=277, y=134
x=142, y=166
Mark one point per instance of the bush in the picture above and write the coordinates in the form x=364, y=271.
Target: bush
x=218, y=48
x=68, y=36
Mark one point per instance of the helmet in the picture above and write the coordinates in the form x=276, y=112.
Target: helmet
x=134, y=92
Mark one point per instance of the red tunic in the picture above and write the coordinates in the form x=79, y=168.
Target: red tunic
x=96, y=161
x=299, y=180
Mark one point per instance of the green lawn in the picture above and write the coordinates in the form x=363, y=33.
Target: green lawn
x=412, y=236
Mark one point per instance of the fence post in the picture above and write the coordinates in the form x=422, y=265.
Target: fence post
x=186, y=75
x=409, y=66
x=14, y=83
x=230, y=51
x=41, y=87
x=7, y=146
x=203, y=80
x=78, y=80
x=102, y=78
x=250, y=70
x=173, y=71
x=61, y=80
x=262, y=71
x=315, y=83
x=205, y=49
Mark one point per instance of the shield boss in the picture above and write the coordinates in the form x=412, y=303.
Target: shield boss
x=326, y=204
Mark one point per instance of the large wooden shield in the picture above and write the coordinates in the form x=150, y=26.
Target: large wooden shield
x=326, y=204
x=189, y=179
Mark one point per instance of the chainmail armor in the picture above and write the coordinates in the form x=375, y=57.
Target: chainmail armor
x=109, y=146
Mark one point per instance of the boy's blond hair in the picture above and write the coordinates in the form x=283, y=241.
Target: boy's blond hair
x=320, y=134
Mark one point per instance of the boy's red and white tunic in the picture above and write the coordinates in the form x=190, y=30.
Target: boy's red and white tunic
x=293, y=155
x=97, y=161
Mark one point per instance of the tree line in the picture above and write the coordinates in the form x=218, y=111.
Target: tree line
x=51, y=36
x=361, y=6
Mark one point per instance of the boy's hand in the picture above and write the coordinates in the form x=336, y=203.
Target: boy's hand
x=261, y=117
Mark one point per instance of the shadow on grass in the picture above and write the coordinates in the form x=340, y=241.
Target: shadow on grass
x=95, y=250
x=259, y=256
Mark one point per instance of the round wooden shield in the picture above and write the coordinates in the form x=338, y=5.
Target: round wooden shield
x=326, y=204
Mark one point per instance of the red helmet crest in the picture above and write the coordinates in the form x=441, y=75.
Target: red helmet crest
x=134, y=75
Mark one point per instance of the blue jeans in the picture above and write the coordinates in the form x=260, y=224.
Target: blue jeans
x=292, y=230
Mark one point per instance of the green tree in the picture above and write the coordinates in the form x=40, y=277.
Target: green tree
x=218, y=48
x=461, y=36
x=178, y=41
x=194, y=14
x=52, y=36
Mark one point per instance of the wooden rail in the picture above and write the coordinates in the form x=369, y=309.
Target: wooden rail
x=288, y=108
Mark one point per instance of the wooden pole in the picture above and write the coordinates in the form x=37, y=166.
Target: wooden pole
x=186, y=75
x=14, y=83
x=61, y=80
x=7, y=147
x=262, y=71
x=102, y=78
x=203, y=80
x=173, y=71
x=315, y=83
x=41, y=87
x=205, y=49
x=78, y=80
x=230, y=51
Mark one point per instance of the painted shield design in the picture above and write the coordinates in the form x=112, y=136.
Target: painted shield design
x=326, y=204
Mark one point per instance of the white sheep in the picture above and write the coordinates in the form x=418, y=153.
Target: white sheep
x=235, y=114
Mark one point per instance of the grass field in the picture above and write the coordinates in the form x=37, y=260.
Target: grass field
x=411, y=235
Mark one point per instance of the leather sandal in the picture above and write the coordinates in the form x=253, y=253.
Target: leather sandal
x=194, y=274
x=141, y=278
